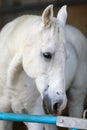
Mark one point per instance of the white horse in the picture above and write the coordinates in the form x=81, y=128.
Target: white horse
x=40, y=59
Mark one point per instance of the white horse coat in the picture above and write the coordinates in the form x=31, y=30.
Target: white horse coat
x=40, y=59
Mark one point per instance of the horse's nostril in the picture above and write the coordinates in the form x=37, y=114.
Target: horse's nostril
x=57, y=105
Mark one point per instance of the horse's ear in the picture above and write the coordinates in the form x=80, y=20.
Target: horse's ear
x=47, y=16
x=62, y=15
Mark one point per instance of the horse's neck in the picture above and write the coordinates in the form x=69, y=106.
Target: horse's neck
x=71, y=64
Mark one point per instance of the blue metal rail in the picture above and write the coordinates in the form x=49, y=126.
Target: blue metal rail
x=29, y=118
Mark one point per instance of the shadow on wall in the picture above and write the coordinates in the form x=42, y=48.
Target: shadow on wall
x=77, y=16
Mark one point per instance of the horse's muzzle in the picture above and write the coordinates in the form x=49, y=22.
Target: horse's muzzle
x=51, y=106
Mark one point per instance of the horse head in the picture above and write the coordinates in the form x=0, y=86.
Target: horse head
x=44, y=58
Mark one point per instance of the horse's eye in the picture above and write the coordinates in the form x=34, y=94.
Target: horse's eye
x=47, y=55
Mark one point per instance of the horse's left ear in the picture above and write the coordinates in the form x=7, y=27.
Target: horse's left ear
x=47, y=16
x=62, y=15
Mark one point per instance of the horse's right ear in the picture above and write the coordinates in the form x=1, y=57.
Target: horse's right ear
x=47, y=16
x=62, y=15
